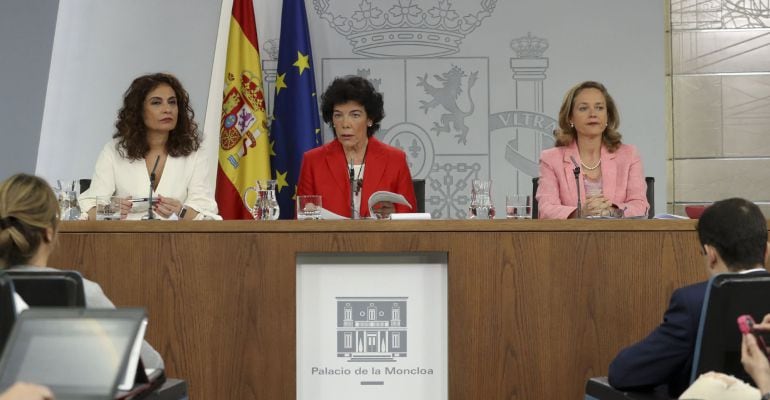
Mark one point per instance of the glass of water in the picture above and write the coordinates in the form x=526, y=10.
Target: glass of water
x=69, y=210
x=108, y=208
x=309, y=207
x=518, y=206
x=481, y=200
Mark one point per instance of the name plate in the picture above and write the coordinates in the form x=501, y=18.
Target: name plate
x=372, y=326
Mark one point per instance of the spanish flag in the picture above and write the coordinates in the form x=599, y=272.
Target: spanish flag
x=244, y=148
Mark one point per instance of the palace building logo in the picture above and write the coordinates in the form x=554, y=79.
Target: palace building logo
x=371, y=329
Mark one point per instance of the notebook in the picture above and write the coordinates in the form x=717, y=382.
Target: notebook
x=77, y=353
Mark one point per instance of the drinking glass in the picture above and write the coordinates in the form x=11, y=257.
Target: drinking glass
x=68, y=205
x=518, y=206
x=481, y=199
x=309, y=207
x=108, y=208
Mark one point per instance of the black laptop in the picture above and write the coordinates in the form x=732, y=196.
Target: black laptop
x=78, y=353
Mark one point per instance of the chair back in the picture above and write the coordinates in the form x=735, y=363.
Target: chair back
x=48, y=288
x=535, y=182
x=7, y=309
x=419, y=194
x=650, y=181
x=718, y=344
x=84, y=184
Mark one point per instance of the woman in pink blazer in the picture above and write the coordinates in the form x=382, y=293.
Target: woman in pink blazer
x=611, y=178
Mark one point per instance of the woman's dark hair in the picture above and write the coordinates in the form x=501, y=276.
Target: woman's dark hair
x=737, y=230
x=131, y=131
x=566, y=133
x=359, y=90
x=28, y=207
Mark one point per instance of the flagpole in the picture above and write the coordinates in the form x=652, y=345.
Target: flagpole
x=210, y=145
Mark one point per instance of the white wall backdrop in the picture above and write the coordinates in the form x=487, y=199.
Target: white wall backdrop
x=523, y=56
x=99, y=48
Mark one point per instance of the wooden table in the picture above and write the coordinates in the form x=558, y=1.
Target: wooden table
x=535, y=307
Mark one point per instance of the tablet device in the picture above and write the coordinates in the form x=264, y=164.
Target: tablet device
x=77, y=353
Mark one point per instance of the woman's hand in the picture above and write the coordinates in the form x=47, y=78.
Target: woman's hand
x=597, y=206
x=125, y=207
x=383, y=209
x=27, y=391
x=755, y=362
x=167, y=206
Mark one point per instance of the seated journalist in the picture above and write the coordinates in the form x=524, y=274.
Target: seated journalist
x=733, y=239
x=26, y=391
x=611, y=179
x=156, y=122
x=29, y=219
x=354, y=110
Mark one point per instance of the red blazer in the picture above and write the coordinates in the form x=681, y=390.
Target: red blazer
x=622, y=181
x=325, y=172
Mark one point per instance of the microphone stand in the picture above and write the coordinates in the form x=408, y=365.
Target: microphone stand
x=152, y=184
x=352, y=198
x=576, y=171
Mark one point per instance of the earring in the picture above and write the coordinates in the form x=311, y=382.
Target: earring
x=369, y=124
x=571, y=125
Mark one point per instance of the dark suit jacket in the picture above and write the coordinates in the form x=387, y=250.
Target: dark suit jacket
x=325, y=171
x=665, y=356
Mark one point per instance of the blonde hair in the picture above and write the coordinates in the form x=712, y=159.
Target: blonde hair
x=566, y=133
x=28, y=207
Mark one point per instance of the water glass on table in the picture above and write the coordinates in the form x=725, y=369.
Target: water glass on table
x=592, y=192
x=481, y=206
x=108, y=208
x=518, y=206
x=309, y=207
x=69, y=209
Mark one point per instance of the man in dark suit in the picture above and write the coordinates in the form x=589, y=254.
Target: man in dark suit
x=733, y=239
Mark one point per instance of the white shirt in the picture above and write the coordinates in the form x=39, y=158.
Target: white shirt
x=184, y=179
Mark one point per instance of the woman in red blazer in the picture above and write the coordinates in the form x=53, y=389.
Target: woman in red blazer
x=354, y=110
x=611, y=180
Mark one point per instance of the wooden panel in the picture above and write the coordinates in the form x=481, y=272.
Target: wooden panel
x=535, y=307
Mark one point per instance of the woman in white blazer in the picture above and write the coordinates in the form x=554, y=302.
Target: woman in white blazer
x=156, y=132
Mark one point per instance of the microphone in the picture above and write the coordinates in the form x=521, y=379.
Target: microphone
x=352, y=182
x=152, y=184
x=576, y=171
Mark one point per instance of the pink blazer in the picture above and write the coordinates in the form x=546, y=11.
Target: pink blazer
x=622, y=181
x=324, y=171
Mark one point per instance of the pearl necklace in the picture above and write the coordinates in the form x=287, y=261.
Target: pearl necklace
x=591, y=168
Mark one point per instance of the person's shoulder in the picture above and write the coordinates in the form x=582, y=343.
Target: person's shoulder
x=110, y=150
x=627, y=150
x=385, y=148
x=319, y=151
x=553, y=153
x=694, y=292
x=111, y=146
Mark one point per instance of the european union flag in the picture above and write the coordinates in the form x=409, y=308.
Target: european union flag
x=296, y=127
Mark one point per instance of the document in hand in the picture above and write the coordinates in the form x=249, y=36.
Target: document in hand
x=384, y=195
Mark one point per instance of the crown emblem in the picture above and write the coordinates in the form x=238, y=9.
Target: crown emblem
x=271, y=49
x=398, y=28
x=529, y=46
